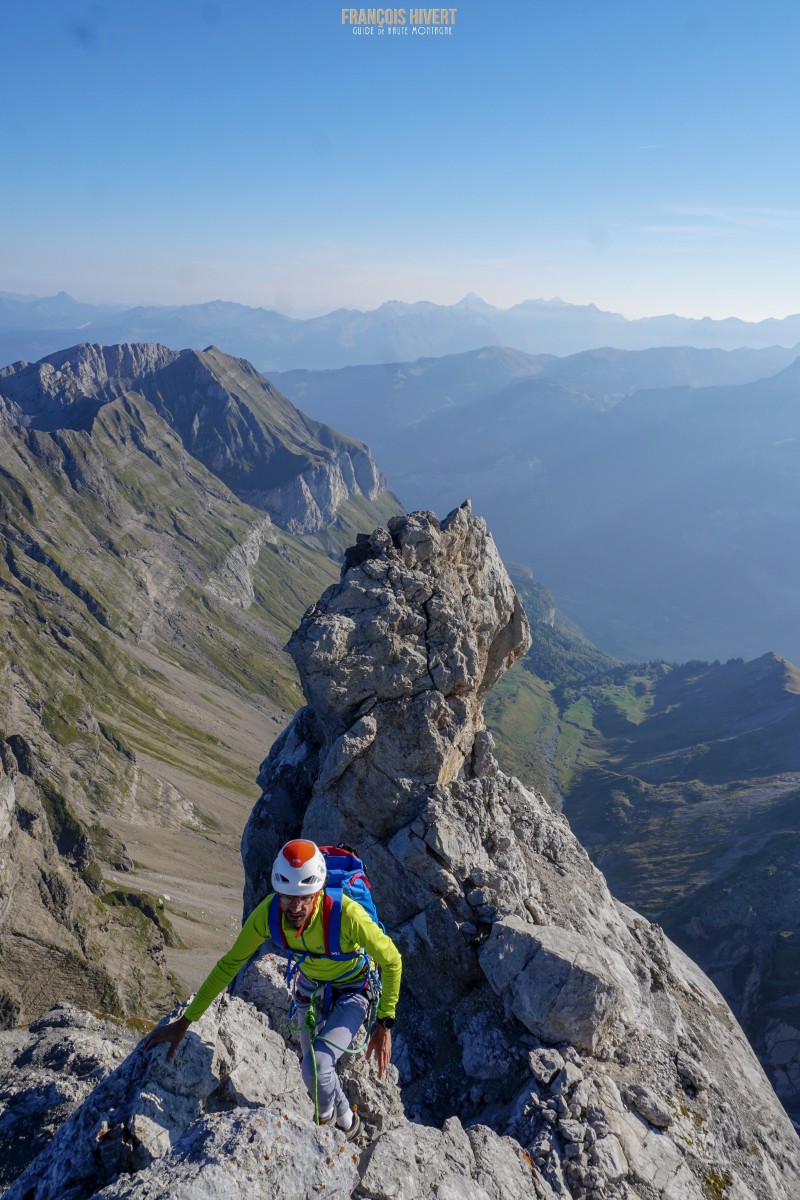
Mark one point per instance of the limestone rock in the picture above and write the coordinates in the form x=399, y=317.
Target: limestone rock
x=545, y=1064
x=8, y=802
x=310, y=501
x=650, y=1106
x=626, y=1076
x=559, y=985
x=262, y=1154
x=233, y=582
x=46, y=1072
x=413, y=637
x=231, y=1058
x=451, y=1164
x=692, y=1072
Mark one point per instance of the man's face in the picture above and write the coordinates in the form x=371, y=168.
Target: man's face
x=297, y=909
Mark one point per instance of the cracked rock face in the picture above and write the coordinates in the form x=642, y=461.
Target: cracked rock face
x=395, y=662
x=607, y=1055
x=550, y=1041
x=46, y=1072
x=233, y=582
x=230, y=1120
x=312, y=499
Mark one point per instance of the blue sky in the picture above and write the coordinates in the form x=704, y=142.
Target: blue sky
x=640, y=156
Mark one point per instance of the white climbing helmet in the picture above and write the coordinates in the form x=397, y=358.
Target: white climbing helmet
x=299, y=869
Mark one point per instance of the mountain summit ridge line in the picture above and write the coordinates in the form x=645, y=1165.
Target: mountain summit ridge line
x=349, y=336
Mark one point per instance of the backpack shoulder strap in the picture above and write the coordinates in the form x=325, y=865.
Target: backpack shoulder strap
x=332, y=921
x=276, y=925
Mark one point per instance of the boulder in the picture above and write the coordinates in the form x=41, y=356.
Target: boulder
x=562, y=987
x=230, y=1058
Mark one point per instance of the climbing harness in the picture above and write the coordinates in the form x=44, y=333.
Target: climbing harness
x=318, y=1008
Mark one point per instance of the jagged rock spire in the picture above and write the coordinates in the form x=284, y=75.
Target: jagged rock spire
x=394, y=661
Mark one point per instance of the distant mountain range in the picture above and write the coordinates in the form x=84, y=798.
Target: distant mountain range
x=662, y=516
x=32, y=327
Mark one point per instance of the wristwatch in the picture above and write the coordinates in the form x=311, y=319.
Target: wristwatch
x=387, y=1022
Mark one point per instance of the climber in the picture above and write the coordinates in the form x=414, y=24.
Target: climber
x=298, y=880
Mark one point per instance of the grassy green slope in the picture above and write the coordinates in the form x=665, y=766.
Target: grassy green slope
x=117, y=537
x=523, y=719
x=711, y=761
x=538, y=713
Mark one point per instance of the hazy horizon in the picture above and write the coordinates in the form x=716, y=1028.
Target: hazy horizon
x=307, y=314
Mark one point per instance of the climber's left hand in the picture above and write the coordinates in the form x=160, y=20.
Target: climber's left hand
x=380, y=1045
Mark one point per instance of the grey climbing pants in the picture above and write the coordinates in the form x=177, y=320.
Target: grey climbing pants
x=332, y=1039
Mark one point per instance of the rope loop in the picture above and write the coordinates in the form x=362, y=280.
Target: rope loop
x=317, y=1012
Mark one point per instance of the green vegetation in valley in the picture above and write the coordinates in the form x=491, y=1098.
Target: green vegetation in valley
x=133, y=906
x=522, y=717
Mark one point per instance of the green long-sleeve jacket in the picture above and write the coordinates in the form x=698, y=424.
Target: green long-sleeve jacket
x=359, y=932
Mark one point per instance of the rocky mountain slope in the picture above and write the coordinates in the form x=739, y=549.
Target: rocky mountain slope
x=143, y=611
x=551, y=1042
x=705, y=783
x=31, y=327
x=660, y=516
x=225, y=414
x=682, y=782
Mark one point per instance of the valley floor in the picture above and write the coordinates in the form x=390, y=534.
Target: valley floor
x=198, y=870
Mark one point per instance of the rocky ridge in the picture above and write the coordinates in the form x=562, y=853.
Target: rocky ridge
x=393, y=331
x=682, y=783
x=584, y=1054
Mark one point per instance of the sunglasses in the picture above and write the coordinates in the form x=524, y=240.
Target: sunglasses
x=294, y=901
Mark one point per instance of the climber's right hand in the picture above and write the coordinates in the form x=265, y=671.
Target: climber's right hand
x=172, y=1034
